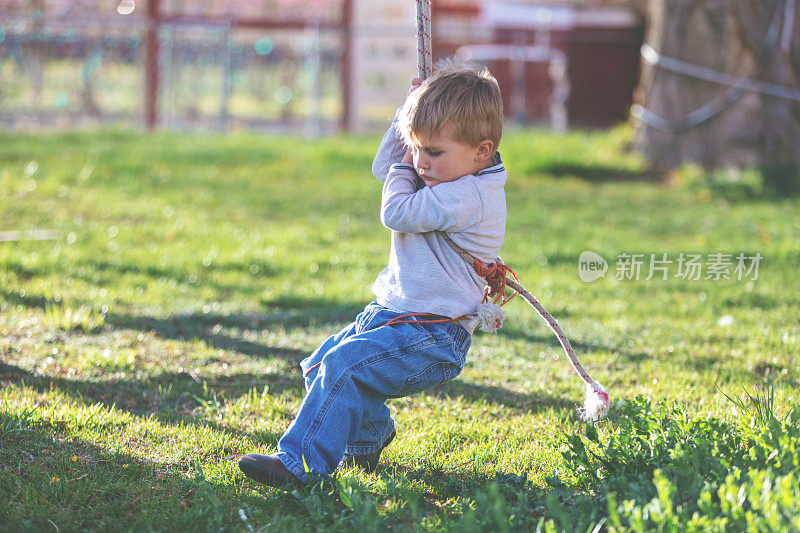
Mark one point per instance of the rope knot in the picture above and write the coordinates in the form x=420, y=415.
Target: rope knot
x=495, y=275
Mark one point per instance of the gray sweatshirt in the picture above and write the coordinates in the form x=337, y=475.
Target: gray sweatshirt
x=425, y=274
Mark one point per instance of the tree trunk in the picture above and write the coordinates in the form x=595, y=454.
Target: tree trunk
x=684, y=118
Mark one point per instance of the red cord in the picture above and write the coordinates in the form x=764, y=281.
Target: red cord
x=495, y=275
x=397, y=319
x=312, y=367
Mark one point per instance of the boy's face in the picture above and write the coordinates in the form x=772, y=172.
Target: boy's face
x=439, y=158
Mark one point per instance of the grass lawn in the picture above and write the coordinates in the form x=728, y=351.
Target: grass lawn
x=154, y=335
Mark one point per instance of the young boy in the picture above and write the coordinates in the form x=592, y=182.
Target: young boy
x=441, y=176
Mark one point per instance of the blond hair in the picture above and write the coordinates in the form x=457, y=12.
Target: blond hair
x=461, y=98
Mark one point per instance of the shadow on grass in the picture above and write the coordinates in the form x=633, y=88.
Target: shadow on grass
x=59, y=480
x=596, y=173
x=440, y=483
x=292, y=312
x=170, y=398
x=289, y=314
x=178, y=274
x=500, y=396
x=36, y=301
x=580, y=347
x=95, y=272
x=208, y=329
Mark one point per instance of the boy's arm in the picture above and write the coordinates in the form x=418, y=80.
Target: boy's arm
x=391, y=151
x=446, y=207
x=392, y=148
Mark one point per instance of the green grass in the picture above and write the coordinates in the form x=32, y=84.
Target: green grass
x=156, y=339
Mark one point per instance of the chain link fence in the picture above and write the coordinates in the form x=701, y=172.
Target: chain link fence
x=71, y=73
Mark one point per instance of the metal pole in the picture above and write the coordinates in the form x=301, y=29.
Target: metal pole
x=151, y=64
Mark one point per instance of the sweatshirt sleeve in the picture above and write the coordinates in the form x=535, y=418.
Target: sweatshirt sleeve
x=451, y=206
x=391, y=151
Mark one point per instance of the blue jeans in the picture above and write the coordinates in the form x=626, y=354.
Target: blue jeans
x=351, y=375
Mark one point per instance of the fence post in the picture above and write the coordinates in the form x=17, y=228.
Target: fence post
x=151, y=72
x=227, y=77
x=314, y=90
x=347, y=65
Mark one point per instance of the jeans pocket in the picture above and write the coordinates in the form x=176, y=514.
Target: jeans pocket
x=420, y=327
x=436, y=374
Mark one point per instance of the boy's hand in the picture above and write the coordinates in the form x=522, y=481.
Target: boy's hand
x=409, y=157
x=415, y=83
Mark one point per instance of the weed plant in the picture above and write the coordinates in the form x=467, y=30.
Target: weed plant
x=658, y=469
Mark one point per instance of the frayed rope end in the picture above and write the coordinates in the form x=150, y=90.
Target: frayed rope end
x=488, y=317
x=596, y=404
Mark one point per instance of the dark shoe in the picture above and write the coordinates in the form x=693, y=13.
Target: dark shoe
x=267, y=470
x=369, y=461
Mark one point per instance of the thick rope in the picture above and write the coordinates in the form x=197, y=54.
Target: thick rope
x=496, y=275
x=597, y=399
x=424, y=39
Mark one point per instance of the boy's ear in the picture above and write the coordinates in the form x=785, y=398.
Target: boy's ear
x=485, y=150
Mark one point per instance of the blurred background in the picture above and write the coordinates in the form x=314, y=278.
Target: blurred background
x=713, y=83
x=308, y=66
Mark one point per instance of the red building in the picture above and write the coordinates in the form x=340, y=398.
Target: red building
x=539, y=50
